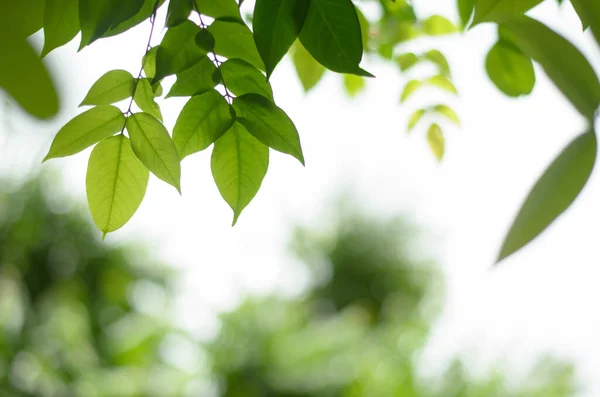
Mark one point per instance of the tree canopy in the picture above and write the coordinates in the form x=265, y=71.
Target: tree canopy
x=222, y=53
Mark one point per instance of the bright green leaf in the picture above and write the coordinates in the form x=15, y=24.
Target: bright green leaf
x=178, y=12
x=200, y=78
x=235, y=40
x=442, y=82
x=242, y=78
x=268, y=123
x=154, y=147
x=448, y=112
x=115, y=183
x=414, y=119
x=309, y=71
x=61, y=23
x=501, y=10
x=409, y=89
x=553, y=193
x=203, y=120
x=510, y=70
x=564, y=64
x=144, y=98
x=239, y=163
x=178, y=50
x=86, y=129
x=435, y=138
x=353, y=84
x=437, y=25
x=113, y=86
x=406, y=61
x=440, y=60
x=149, y=62
x=364, y=29
x=220, y=9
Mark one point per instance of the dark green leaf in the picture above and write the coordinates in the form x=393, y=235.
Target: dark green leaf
x=501, y=10
x=154, y=147
x=510, y=70
x=113, y=86
x=196, y=80
x=86, y=129
x=564, y=64
x=268, y=123
x=144, y=98
x=239, y=163
x=309, y=71
x=242, y=78
x=435, y=138
x=20, y=19
x=96, y=18
x=589, y=13
x=205, y=40
x=553, y=193
x=143, y=14
x=178, y=12
x=115, y=183
x=61, y=23
x=220, y=9
x=465, y=10
x=203, y=120
x=437, y=25
x=178, y=50
x=234, y=40
x=276, y=26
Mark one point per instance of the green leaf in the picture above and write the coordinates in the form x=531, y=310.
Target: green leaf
x=242, y=78
x=25, y=78
x=143, y=14
x=144, y=98
x=465, y=10
x=309, y=71
x=581, y=14
x=448, y=112
x=501, y=10
x=564, y=64
x=364, y=29
x=86, y=129
x=435, y=138
x=234, y=40
x=96, y=18
x=115, y=183
x=589, y=13
x=268, y=123
x=510, y=70
x=414, y=119
x=239, y=163
x=437, y=25
x=61, y=23
x=220, y=9
x=353, y=84
x=157, y=89
x=331, y=34
x=20, y=19
x=406, y=61
x=154, y=147
x=149, y=62
x=409, y=89
x=113, y=86
x=442, y=82
x=553, y=193
x=205, y=40
x=200, y=78
x=276, y=26
x=439, y=59
x=178, y=12
x=203, y=120
x=178, y=50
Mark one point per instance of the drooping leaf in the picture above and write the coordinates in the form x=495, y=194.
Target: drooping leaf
x=143, y=14
x=242, y=78
x=220, y=9
x=268, y=123
x=510, y=70
x=144, y=98
x=309, y=71
x=435, y=138
x=553, y=193
x=440, y=60
x=581, y=14
x=25, y=78
x=86, y=129
x=61, y=23
x=115, y=183
x=113, y=86
x=589, y=13
x=154, y=147
x=126, y=10
x=331, y=34
x=465, y=10
x=203, y=120
x=564, y=64
x=353, y=84
x=20, y=19
x=239, y=163
x=406, y=61
x=149, y=62
x=501, y=10
x=448, y=112
x=277, y=24
x=178, y=12
x=235, y=40
x=195, y=80
x=442, y=82
x=178, y=50
x=437, y=25
x=414, y=119
x=97, y=17
x=409, y=89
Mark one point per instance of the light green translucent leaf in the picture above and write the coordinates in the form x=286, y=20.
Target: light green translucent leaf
x=437, y=25
x=414, y=119
x=589, y=13
x=198, y=79
x=364, y=29
x=61, y=23
x=409, y=89
x=144, y=98
x=353, y=84
x=510, y=70
x=113, y=86
x=149, y=62
x=268, y=123
x=440, y=60
x=86, y=129
x=435, y=138
x=178, y=12
x=178, y=50
x=406, y=61
x=154, y=147
x=448, y=112
x=442, y=82
x=220, y=9
x=203, y=120
x=564, y=64
x=501, y=10
x=235, y=40
x=239, y=164
x=115, y=183
x=309, y=71
x=242, y=78
x=553, y=193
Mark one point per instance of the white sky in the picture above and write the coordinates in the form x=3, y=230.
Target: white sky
x=542, y=299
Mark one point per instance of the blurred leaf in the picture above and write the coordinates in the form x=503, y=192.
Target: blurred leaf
x=406, y=61
x=113, y=86
x=364, y=29
x=448, y=112
x=501, y=10
x=353, y=84
x=414, y=119
x=409, y=89
x=61, y=23
x=437, y=25
x=465, y=10
x=589, y=13
x=442, y=82
x=309, y=71
x=439, y=59
x=435, y=138
x=510, y=70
